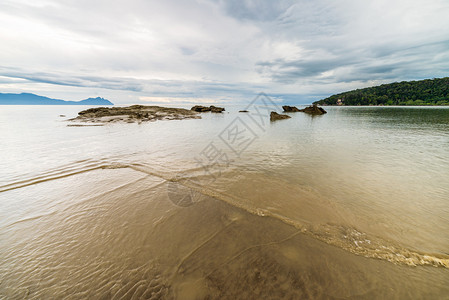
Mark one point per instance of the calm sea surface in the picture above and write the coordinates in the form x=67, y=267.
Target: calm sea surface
x=353, y=204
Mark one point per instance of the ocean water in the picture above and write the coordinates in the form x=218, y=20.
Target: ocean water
x=353, y=204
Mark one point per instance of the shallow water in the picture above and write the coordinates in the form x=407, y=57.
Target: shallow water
x=352, y=204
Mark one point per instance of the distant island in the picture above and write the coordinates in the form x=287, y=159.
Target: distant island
x=32, y=99
x=422, y=92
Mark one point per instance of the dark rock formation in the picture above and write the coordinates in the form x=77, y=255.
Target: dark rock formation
x=245, y=111
x=200, y=108
x=287, y=108
x=314, y=110
x=214, y=109
x=274, y=116
x=134, y=113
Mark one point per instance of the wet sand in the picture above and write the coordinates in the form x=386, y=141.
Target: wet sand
x=115, y=233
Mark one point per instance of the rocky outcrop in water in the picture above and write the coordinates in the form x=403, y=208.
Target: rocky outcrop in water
x=214, y=109
x=134, y=113
x=274, y=116
x=314, y=110
x=287, y=108
x=200, y=108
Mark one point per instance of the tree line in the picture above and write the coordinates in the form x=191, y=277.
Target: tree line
x=422, y=92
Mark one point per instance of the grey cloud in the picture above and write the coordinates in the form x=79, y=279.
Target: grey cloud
x=255, y=10
x=163, y=88
x=75, y=81
x=383, y=62
x=187, y=50
x=290, y=71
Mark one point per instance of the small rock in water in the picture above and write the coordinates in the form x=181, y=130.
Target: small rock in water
x=214, y=109
x=314, y=110
x=287, y=108
x=200, y=108
x=274, y=116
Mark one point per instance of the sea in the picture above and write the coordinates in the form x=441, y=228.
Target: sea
x=352, y=204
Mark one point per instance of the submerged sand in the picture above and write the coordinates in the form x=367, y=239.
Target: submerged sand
x=118, y=235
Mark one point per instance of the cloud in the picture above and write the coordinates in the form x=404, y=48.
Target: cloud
x=73, y=80
x=396, y=46
x=218, y=50
x=187, y=100
x=255, y=10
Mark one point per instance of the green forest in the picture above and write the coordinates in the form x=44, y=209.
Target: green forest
x=422, y=92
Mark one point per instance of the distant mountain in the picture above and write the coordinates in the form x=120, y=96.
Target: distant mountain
x=32, y=99
x=422, y=92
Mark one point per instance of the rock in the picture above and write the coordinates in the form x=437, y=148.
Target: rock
x=134, y=113
x=214, y=109
x=274, y=116
x=62, y=116
x=287, y=108
x=314, y=110
x=244, y=111
x=200, y=108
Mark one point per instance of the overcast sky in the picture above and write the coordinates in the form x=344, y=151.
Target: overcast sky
x=217, y=51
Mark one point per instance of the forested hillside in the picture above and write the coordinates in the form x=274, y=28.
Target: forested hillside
x=423, y=92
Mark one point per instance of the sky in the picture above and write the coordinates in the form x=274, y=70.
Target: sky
x=217, y=51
